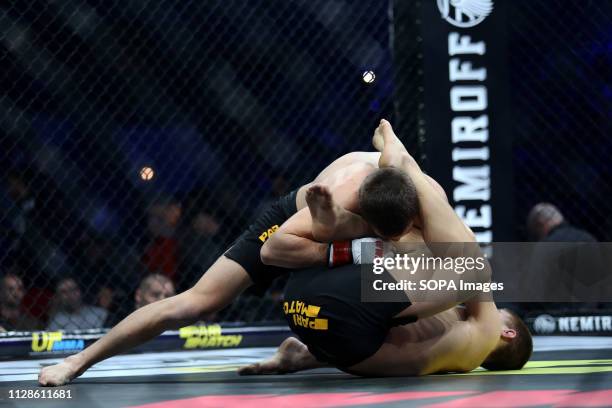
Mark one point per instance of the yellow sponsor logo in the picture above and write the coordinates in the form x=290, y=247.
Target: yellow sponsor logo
x=44, y=341
x=267, y=234
x=304, y=315
x=312, y=311
x=208, y=336
x=54, y=341
x=310, y=323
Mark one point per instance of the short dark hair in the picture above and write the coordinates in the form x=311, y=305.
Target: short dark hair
x=515, y=354
x=388, y=201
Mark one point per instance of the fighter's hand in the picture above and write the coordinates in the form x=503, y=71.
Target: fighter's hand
x=393, y=151
x=58, y=374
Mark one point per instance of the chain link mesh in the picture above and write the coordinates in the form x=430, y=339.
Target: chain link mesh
x=143, y=136
x=561, y=76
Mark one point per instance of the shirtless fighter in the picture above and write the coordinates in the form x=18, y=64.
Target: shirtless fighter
x=324, y=308
x=433, y=345
x=355, y=181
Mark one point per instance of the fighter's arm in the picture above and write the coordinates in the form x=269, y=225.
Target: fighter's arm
x=293, y=245
x=483, y=316
x=440, y=222
x=303, y=240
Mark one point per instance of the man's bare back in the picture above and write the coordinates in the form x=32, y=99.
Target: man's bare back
x=343, y=177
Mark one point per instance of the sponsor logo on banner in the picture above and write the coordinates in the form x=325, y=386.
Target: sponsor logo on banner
x=465, y=13
x=210, y=336
x=470, y=134
x=546, y=324
x=466, y=130
x=49, y=342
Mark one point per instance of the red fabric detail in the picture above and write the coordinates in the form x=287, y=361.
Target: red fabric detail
x=342, y=253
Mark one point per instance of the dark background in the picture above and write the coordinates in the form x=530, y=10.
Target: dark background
x=233, y=103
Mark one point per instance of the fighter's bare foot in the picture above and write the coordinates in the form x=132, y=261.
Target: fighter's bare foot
x=60, y=374
x=377, y=140
x=323, y=210
x=291, y=356
x=393, y=151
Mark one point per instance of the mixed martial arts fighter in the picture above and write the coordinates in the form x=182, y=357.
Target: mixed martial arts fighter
x=356, y=182
x=433, y=345
x=370, y=338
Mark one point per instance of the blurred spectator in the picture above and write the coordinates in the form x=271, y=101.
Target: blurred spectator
x=70, y=313
x=161, y=253
x=546, y=223
x=153, y=288
x=113, y=302
x=12, y=314
x=106, y=298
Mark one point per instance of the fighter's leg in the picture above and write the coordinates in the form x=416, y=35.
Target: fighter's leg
x=393, y=152
x=292, y=356
x=223, y=281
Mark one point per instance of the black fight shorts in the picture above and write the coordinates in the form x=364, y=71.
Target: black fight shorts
x=245, y=250
x=323, y=308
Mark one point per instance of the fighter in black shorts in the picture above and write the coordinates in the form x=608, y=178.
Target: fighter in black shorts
x=241, y=266
x=324, y=309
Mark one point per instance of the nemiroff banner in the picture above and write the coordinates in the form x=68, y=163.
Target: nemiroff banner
x=467, y=139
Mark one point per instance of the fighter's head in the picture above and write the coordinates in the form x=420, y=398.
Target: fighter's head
x=515, y=344
x=388, y=202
